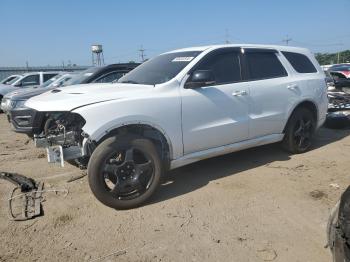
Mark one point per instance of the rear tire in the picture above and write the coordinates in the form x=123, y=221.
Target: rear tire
x=299, y=131
x=124, y=171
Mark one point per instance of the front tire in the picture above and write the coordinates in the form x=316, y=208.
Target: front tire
x=299, y=131
x=124, y=171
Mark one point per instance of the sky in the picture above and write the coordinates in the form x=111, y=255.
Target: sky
x=50, y=32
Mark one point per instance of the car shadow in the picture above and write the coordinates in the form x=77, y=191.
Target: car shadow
x=194, y=176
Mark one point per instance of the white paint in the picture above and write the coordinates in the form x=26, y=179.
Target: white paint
x=202, y=122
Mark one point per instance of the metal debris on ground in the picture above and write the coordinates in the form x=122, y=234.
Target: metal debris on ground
x=25, y=183
x=30, y=197
x=77, y=177
x=30, y=204
x=26, y=204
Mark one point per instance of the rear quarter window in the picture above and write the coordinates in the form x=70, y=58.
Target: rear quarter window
x=301, y=63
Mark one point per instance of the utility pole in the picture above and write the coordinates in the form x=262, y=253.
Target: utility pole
x=287, y=39
x=142, y=54
x=27, y=66
x=227, y=36
x=338, y=57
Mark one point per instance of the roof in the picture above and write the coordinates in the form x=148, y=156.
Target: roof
x=278, y=47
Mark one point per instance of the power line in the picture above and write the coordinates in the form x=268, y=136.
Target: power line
x=142, y=54
x=227, y=36
x=287, y=39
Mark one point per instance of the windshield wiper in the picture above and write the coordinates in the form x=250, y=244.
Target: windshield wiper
x=129, y=82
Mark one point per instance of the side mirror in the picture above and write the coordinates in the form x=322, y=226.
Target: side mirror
x=200, y=78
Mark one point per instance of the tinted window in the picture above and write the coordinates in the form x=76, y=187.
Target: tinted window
x=225, y=67
x=48, y=76
x=32, y=79
x=13, y=80
x=108, y=78
x=82, y=76
x=263, y=65
x=159, y=69
x=300, y=62
x=8, y=80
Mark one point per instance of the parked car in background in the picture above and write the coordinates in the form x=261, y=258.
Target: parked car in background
x=59, y=80
x=342, y=68
x=25, y=81
x=341, y=82
x=8, y=80
x=10, y=99
x=27, y=121
x=104, y=74
x=181, y=107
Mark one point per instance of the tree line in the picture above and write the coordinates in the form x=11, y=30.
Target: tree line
x=333, y=58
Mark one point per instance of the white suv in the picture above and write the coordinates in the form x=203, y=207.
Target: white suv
x=180, y=107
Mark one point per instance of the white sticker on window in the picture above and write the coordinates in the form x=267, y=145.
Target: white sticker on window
x=183, y=59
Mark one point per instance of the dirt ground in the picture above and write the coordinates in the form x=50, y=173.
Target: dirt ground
x=260, y=204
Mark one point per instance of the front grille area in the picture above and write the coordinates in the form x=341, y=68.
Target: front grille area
x=27, y=121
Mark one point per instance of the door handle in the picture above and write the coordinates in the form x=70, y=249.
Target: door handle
x=292, y=86
x=240, y=93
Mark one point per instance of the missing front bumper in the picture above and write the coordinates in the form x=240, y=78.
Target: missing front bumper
x=57, y=154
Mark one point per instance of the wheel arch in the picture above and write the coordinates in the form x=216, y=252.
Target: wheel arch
x=145, y=129
x=312, y=106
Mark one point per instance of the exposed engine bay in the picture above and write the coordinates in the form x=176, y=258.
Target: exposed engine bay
x=62, y=136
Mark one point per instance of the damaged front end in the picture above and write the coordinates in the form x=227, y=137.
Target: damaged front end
x=63, y=137
x=338, y=115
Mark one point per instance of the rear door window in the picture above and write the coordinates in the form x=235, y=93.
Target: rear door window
x=263, y=65
x=301, y=63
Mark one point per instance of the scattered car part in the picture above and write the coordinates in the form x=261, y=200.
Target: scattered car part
x=338, y=229
x=26, y=184
x=30, y=206
x=30, y=197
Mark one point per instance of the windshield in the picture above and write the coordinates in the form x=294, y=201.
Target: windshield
x=51, y=80
x=159, y=69
x=7, y=80
x=80, y=77
x=10, y=82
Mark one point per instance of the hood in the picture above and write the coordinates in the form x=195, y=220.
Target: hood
x=71, y=97
x=26, y=93
x=4, y=89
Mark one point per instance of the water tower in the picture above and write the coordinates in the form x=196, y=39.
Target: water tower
x=97, y=55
